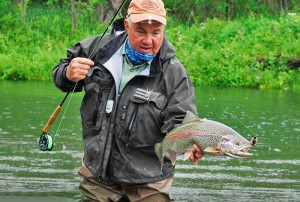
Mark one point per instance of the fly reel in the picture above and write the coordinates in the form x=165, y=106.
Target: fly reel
x=46, y=142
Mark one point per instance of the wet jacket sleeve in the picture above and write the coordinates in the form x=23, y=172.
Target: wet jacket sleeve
x=81, y=49
x=181, y=98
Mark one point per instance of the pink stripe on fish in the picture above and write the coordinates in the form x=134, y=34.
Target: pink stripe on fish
x=187, y=134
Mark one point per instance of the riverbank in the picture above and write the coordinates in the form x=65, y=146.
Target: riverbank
x=255, y=52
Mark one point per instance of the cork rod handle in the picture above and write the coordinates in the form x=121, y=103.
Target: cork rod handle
x=52, y=119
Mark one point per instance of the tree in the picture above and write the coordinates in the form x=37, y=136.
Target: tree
x=105, y=9
x=73, y=12
x=111, y=10
x=21, y=5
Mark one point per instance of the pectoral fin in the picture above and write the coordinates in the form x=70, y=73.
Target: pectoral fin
x=187, y=155
x=212, y=151
x=172, y=157
x=190, y=155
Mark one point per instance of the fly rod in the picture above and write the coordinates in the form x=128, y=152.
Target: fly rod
x=46, y=140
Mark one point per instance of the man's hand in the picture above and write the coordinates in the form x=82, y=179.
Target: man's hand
x=78, y=69
x=196, y=154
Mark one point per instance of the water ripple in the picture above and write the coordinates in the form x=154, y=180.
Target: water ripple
x=233, y=177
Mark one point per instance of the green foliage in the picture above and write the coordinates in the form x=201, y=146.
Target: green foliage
x=30, y=50
x=252, y=52
x=197, y=11
x=245, y=52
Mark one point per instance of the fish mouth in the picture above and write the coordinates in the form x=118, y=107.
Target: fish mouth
x=239, y=155
x=243, y=153
x=246, y=149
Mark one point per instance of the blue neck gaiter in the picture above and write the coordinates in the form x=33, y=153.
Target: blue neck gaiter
x=136, y=57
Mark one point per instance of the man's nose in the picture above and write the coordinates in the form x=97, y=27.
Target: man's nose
x=148, y=38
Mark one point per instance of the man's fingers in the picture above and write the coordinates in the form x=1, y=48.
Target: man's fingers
x=198, y=149
x=84, y=61
x=192, y=157
x=198, y=153
x=78, y=69
x=74, y=71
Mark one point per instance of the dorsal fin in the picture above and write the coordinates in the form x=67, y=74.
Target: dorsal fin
x=190, y=117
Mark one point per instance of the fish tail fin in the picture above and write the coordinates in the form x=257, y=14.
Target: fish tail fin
x=159, y=153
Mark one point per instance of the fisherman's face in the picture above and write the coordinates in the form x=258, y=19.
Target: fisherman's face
x=144, y=36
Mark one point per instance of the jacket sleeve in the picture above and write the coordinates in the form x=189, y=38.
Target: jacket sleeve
x=81, y=49
x=181, y=96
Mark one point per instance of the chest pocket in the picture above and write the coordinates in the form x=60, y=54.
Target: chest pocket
x=98, y=85
x=144, y=119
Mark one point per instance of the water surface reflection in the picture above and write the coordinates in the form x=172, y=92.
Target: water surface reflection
x=27, y=174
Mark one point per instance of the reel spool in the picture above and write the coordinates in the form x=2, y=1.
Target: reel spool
x=46, y=142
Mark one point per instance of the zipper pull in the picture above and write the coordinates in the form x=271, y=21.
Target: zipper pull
x=124, y=112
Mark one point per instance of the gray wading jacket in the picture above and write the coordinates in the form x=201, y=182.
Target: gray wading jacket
x=119, y=132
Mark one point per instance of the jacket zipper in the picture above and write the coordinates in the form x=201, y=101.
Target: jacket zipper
x=108, y=116
x=131, y=122
x=99, y=101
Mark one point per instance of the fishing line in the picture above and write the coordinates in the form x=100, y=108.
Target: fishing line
x=231, y=114
x=63, y=116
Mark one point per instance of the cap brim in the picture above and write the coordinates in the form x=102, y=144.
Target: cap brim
x=135, y=18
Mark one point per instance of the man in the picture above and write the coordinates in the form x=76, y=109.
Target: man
x=136, y=91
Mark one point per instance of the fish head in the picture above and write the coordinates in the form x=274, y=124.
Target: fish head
x=235, y=147
x=230, y=142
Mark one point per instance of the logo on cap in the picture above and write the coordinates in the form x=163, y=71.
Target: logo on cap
x=150, y=4
x=151, y=10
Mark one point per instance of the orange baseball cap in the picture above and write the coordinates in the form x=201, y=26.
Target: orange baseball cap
x=147, y=10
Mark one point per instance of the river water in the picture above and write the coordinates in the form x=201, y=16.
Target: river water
x=272, y=174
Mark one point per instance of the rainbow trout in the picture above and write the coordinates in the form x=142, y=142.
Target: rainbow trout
x=212, y=137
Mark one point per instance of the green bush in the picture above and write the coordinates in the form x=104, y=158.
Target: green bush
x=252, y=52
x=246, y=52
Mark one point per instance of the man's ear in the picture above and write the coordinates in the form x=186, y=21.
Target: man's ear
x=126, y=24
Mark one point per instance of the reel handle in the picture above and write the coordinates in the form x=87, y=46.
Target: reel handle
x=52, y=119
